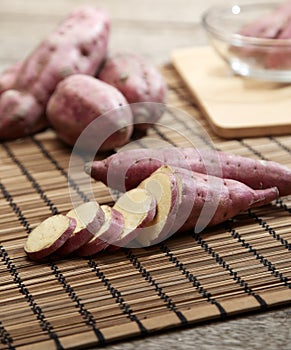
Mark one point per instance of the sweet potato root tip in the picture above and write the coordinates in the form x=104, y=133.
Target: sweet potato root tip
x=216, y=204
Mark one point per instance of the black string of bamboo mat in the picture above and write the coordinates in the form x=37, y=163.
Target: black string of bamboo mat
x=86, y=314
x=187, y=279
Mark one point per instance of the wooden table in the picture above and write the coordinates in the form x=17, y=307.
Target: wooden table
x=152, y=28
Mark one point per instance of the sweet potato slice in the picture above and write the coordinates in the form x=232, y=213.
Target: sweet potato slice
x=108, y=232
x=138, y=207
x=162, y=184
x=89, y=217
x=48, y=236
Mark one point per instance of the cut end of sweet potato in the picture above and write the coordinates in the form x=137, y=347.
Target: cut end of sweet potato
x=108, y=232
x=138, y=207
x=162, y=184
x=49, y=236
x=89, y=218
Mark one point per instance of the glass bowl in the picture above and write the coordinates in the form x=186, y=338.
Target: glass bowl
x=230, y=27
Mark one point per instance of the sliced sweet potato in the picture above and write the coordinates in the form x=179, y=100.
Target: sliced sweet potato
x=89, y=217
x=162, y=184
x=108, y=232
x=138, y=207
x=49, y=236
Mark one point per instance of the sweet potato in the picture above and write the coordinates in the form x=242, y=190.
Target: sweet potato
x=139, y=81
x=211, y=201
x=49, y=236
x=77, y=45
x=269, y=25
x=279, y=57
x=162, y=184
x=125, y=170
x=109, y=232
x=8, y=77
x=77, y=101
x=89, y=217
x=19, y=111
x=272, y=25
x=202, y=201
x=138, y=207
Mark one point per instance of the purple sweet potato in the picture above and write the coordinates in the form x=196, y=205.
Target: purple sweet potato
x=279, y=57
x=89, y=217
x=78, y=45
x=125, y=170
x=109, y=232
x=46, y=238
x=201, y=201
x=8, y=77
x=80, y=99
x=211, y=200
x=138, y=208
x=19, y=111
x=139, y=81
x=270, y=25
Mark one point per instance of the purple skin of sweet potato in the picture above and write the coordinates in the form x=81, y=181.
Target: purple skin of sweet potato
x=273, y=25
x=77, y=45
x=221, y=199
x=77, y=101
x=139, y=81
x=126, y=169
x=8, y=77
x=19, y=112
x=279, y=58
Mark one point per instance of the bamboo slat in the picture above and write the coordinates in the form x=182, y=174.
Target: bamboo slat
x=70, y=303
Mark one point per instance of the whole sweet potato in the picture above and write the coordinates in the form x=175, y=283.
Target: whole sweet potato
x=127, y=169
x=139, y=81
x=77, y=101
x=8, y=77
x=77, y=45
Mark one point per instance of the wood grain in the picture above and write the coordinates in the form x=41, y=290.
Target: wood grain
x=234, y=107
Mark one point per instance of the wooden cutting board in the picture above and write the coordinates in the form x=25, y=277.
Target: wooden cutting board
x=234, y=106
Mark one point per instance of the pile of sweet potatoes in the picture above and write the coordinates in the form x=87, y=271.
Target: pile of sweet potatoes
x=70, y=79
x=163, y=195
x=273, y=25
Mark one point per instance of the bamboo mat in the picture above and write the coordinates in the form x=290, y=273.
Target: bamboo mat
x=240, y=266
